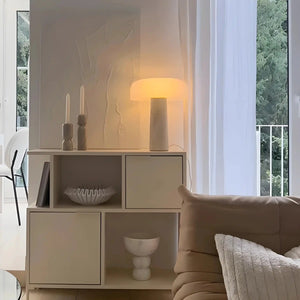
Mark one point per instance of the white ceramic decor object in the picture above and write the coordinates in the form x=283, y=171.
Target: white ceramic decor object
x=141, y=246
x=90, y=196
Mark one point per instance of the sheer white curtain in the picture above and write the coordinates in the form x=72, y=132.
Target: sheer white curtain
x=221, y=119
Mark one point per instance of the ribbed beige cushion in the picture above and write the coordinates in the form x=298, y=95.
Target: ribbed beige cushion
x=273, y=222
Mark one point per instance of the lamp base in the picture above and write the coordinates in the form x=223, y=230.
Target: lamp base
x=159, y=125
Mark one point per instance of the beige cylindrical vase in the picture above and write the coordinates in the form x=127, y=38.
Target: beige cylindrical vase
x=159, y=125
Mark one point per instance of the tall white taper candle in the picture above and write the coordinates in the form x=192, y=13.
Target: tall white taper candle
x=67, y=118
x=81, y=111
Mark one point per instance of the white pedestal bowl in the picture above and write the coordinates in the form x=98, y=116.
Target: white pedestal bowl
x=141, y=246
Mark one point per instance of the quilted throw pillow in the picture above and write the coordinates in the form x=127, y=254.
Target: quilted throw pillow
x=252, y=271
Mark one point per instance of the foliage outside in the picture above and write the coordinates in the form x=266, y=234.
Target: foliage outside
x=23, y=47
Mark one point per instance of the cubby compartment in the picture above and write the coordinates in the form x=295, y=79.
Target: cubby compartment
x=79, y=171
x=118, y=262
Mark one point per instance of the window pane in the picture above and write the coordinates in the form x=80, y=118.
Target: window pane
x=23, y=47
x=22, y=95
x=22, y=38
x=272, y=96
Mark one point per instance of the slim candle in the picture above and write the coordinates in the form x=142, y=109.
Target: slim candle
x=67, y=120
x=81, y=100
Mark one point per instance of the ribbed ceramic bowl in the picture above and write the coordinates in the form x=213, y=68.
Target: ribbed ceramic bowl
x=90, y=196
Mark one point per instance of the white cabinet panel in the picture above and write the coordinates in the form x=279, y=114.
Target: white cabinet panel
x=64, y=248
x=152, y=181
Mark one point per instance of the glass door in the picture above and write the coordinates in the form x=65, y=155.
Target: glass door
x=15, y=81
x=22, y=78
x=272, y=104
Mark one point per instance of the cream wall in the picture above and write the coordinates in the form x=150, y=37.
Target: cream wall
x=105, y=48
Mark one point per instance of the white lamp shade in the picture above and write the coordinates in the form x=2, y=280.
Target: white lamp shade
x=172, y=89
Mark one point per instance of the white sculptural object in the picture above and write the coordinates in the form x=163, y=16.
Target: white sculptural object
x=141, y=246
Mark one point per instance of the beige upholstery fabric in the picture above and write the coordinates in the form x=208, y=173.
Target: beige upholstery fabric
x=273, y=222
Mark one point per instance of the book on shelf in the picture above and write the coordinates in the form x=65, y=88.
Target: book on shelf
x=43, y=197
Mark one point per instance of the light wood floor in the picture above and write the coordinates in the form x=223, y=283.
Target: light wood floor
x=12, y=237
x=97, y=295
x=12, y=258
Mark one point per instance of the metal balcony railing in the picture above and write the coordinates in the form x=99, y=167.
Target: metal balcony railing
x=272, y=160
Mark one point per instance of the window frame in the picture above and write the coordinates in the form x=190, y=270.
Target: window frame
x=282, y=126
x=21, y=68
x=294, y=97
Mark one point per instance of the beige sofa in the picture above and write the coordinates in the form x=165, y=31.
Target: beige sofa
x=273, y=222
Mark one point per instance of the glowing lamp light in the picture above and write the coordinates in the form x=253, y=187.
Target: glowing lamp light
x=159, y=90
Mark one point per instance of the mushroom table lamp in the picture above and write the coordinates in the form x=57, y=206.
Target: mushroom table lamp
x=159, y=90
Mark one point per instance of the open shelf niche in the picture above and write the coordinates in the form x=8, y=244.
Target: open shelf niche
x=78, y=171
x=117, y=262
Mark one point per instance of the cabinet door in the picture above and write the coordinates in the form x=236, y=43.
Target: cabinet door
x=64, y=248
x=152, y=181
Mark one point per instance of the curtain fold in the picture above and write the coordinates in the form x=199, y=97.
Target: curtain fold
x=221, y=111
